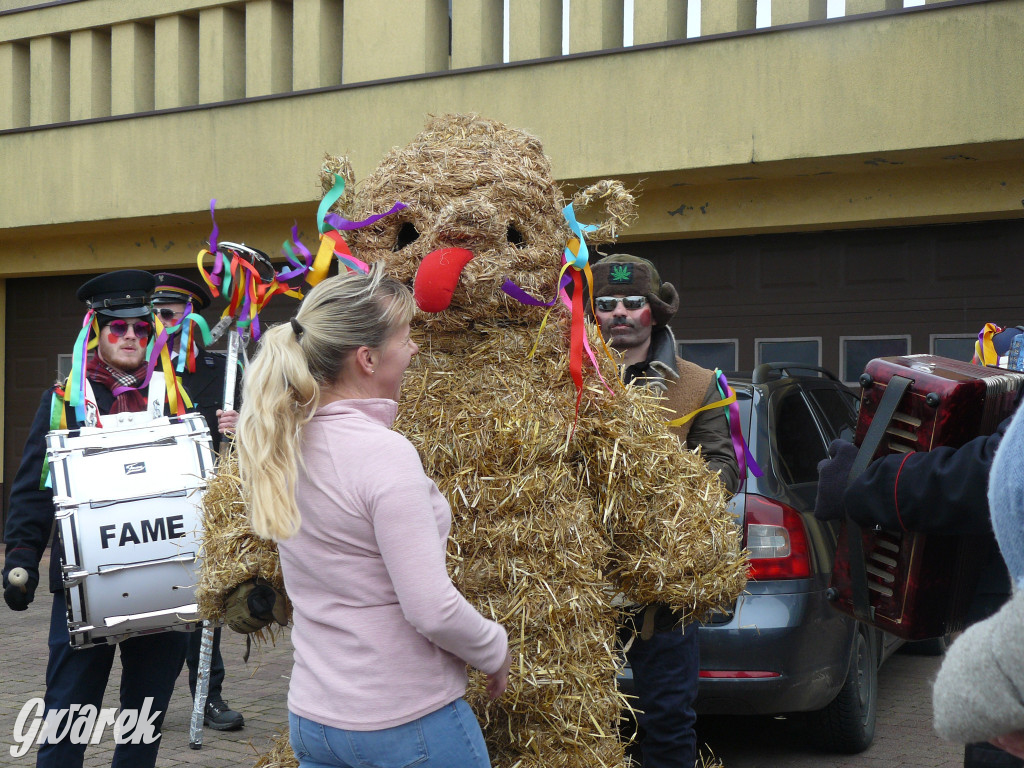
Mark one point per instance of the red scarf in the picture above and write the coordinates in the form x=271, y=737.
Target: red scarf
x=133, y=400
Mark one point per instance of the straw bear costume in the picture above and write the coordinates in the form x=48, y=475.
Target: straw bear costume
x=553, y=514
x=557, y=507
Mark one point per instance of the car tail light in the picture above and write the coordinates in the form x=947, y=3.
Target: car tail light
x=776, y=540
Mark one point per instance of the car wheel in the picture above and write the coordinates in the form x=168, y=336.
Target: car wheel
x=935, y=646
x=848, y=723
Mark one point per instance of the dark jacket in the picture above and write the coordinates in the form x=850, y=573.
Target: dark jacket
x=206, y=388
x=942, y=491
x=687, y=387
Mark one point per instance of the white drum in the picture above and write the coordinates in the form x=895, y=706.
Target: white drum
x=128, y=500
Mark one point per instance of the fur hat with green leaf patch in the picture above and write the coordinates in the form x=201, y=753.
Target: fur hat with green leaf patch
x=623, y=274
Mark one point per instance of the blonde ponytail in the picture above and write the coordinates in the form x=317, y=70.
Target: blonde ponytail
x=282, y=385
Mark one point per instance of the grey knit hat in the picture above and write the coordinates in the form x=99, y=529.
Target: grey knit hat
x=979, y=693
x=628, y=275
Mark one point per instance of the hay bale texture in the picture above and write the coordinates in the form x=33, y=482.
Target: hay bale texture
x=231, y=553
x=549, y=521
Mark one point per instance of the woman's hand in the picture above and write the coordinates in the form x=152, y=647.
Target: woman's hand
x=498, y=682
x=1011, y=742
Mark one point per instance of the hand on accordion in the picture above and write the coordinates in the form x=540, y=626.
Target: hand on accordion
x=832, y=476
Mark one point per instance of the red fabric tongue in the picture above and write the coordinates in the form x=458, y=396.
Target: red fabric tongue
x=437, y=277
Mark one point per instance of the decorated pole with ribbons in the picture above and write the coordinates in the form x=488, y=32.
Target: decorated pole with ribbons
x=247, y=279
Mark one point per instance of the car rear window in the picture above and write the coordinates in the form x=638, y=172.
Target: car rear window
x=798, y=443
x=839, y=409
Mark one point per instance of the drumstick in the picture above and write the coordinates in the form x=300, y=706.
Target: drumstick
x=18, y=577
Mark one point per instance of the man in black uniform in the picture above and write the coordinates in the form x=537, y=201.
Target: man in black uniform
x=941, y=491
x=150, y=663
x=202, y=374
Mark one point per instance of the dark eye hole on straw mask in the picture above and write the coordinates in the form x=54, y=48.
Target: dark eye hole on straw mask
x=407, y=235
x=515, y=237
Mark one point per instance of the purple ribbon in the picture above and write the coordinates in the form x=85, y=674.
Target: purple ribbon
x=523, y=297
x=739, y=445
x=340, y=223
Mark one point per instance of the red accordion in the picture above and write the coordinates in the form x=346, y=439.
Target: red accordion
x=918, y=586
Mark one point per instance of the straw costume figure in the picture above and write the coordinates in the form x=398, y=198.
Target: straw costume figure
x=566, y=488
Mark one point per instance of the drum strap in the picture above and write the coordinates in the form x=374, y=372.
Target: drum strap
x=887, y=406
x=154, y=407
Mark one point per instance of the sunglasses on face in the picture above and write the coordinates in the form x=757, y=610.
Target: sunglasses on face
x=168, y=314
x=609, y=303
x=119, y=328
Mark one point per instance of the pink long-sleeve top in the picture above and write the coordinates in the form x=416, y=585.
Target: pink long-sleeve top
x=381, y=635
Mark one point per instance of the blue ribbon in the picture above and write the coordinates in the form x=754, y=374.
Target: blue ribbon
x=577, y=260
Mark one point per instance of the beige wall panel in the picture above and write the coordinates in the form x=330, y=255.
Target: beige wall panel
x=815, y=100
x=221, y=55
x=48, y=19
x=792, y=11
x=268, y=47
x=535, y=29
x=854, y=7
x=391, y=38
x=595, y=25
x=90, y=74
x=132, y=52
x=14, y=85
x=655, y=21
x=476, y=32
x=719, y=16
x=316, y=43
x=49, y=67
x=176, y=61
x=953, y=190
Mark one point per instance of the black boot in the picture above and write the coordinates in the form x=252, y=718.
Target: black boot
x=221, y=717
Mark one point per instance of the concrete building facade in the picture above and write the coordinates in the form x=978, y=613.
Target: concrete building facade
x=821, y=180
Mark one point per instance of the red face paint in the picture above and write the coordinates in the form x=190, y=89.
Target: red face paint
x=644, y=318
x=112, y=339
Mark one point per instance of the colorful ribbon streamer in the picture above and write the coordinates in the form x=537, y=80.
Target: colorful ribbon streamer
x=985, y=349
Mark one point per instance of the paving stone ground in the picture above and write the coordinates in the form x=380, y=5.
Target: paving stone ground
x=258, y=689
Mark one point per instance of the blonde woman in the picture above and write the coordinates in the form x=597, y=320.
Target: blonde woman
x=381, y=635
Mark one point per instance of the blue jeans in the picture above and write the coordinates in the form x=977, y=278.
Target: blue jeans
x=149, y=667
x=449, y=736
x=666, y=673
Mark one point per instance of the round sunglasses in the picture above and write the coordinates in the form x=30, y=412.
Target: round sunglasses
x=609, y=303
x=168, y=314
x=118, y=328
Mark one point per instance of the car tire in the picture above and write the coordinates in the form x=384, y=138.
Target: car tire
x=936, y=646
x=847, y=724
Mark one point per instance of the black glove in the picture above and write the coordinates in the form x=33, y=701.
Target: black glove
x=261, y=602
x=19, y=597
x=833, y=474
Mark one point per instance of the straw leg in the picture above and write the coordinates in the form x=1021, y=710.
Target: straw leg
x=195, y=732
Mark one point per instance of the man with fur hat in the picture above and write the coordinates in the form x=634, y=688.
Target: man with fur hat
x=177, y=301
x=119, y=303
x=633, y=309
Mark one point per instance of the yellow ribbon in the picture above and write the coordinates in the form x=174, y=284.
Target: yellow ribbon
x=717, y=404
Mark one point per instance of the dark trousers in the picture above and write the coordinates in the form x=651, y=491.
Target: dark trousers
x=666, y=672
x=985, y=755
x=150, y=666
x=195, y=640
